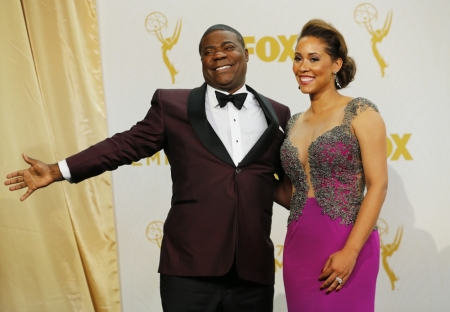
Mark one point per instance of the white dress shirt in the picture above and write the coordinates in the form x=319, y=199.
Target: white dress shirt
x=237, y=129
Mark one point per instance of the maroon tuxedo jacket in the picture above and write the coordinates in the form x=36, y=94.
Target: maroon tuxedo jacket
x=219, y=212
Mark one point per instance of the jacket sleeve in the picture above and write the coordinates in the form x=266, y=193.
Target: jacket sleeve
x=143, y=140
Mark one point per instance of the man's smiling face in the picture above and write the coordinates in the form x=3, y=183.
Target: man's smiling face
x=224, y=61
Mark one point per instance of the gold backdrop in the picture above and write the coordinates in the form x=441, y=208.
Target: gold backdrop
x=57, y=248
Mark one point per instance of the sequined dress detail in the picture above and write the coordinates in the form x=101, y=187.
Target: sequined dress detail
x=320, y=226
x=337, y=174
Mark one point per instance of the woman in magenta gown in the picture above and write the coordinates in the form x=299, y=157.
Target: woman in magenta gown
x=335, y=157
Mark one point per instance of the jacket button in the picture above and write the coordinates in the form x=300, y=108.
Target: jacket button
x=238, y=170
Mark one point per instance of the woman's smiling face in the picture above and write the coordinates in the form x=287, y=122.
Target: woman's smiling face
x=313, y=66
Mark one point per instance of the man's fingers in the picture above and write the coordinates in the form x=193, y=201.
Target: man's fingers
x=29, y=160
x=18, y=186
x=14, y=181
x=14, y=174
x=25, y=157
x=28, y=193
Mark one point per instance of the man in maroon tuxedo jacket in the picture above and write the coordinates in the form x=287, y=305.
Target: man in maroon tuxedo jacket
x=216, y=253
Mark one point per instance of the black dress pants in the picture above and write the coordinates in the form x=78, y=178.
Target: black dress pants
x=214, y=294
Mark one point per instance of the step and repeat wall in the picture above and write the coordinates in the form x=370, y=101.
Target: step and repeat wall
x=402, y=53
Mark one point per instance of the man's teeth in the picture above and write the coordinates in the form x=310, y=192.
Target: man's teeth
x=223, y=67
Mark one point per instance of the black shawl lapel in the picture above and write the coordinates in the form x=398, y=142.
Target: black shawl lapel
x=206, y=134
x=212, y=142
x=268, y=136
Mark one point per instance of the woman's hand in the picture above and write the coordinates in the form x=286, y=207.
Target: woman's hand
x=337, y=270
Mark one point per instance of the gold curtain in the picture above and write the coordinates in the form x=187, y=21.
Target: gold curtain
x=57, y=248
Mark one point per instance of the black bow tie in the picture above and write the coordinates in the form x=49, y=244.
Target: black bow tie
x=237, y=99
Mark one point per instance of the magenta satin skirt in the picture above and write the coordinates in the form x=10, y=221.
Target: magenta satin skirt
x=309, y=242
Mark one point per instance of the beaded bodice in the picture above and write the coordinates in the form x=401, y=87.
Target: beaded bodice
x=336, y=170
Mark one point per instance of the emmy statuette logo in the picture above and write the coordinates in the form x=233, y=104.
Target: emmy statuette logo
x=364, y=15
x=154, y=232
x=279, y=257
x=156, y=23
x=388, y=249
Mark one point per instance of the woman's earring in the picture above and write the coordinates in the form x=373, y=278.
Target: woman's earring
x=337, y=80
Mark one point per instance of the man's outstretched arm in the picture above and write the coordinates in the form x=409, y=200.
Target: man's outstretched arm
x=39, y=175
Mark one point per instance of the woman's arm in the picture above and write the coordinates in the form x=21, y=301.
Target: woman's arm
x=370, y=131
